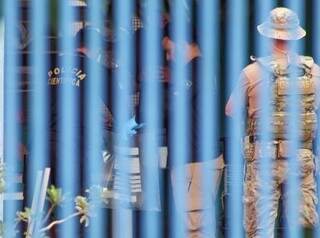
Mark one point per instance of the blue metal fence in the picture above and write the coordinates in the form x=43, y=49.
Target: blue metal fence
x=80, y=136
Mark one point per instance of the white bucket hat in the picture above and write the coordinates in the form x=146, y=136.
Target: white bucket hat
x=282, y=24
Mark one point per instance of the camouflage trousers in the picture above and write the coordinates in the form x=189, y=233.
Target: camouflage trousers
x=256, y=205
x=195, y=210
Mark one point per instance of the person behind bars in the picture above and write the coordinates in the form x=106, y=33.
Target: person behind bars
x=196, y=210
x=279, y=70
x=77, y=79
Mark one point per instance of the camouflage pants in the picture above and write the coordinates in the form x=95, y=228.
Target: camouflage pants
x=255, y=203
x=196, y=209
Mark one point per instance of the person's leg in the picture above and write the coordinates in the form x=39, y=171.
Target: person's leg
x=200, y=192
x=200, y=223
x=308, y=213
x=180, y=180
x=205, y=180
x=255, y=204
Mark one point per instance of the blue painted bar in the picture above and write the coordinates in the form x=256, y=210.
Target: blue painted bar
x=12, y=105
x=236, y=60
x=68, y=164
x=179, y=134
x=264, y=48
x=152, y=108
x=2, y=83
x=316, y=55
x=38, y=116
x=316, y=31
x=293, y=190
x=93, y=163
x=123, y=12
x=209, y=33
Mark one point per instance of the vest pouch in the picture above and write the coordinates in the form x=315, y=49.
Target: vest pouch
x=306, y=86
x=284, y=148
x=279, y=125
x=252, y=150
x=308, y=126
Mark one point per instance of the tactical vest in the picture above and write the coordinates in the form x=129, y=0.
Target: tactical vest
x=279, y=83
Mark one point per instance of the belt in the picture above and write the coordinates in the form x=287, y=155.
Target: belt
x=302, y=144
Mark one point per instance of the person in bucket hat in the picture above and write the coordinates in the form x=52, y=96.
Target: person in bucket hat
x=274, y=73
x=282, y=24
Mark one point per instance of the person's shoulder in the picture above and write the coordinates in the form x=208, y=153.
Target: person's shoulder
x=252, y=70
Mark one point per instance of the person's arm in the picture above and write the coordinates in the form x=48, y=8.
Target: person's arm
x=239, y=96
x=112, y=86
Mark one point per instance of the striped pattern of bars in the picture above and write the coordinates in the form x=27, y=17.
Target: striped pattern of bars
x=140, y=196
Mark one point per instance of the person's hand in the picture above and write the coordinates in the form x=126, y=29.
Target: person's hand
x=130, y=128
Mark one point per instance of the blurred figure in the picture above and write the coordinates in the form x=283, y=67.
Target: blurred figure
x=77, y=78
x=197, y=213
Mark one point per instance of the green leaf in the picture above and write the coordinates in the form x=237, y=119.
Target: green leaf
x=54, y=195
x=82, y=204
x=24, y=216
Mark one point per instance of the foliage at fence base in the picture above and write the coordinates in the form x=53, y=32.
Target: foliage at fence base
x=84, y=209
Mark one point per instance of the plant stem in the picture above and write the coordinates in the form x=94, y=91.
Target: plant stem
x=48, y=214
x=57, y=222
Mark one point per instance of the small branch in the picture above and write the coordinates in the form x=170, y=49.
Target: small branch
x=57, y=222
x=48, y=214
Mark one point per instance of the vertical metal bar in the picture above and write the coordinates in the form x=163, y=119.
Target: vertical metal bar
x=35, y=202
x=11, y=100
x=123, y=11
x=2, y=32
x=236, y=58
x=42, y=196
x=68, y=154
x=179, y=134
x=151, y=108
x=39, y=198
x=293, y=185
x=316, y=30
x=207, y=106
x=1, y=99
x=263, y=49
x=316, y=54
x=38, y=93
x=94, y=130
